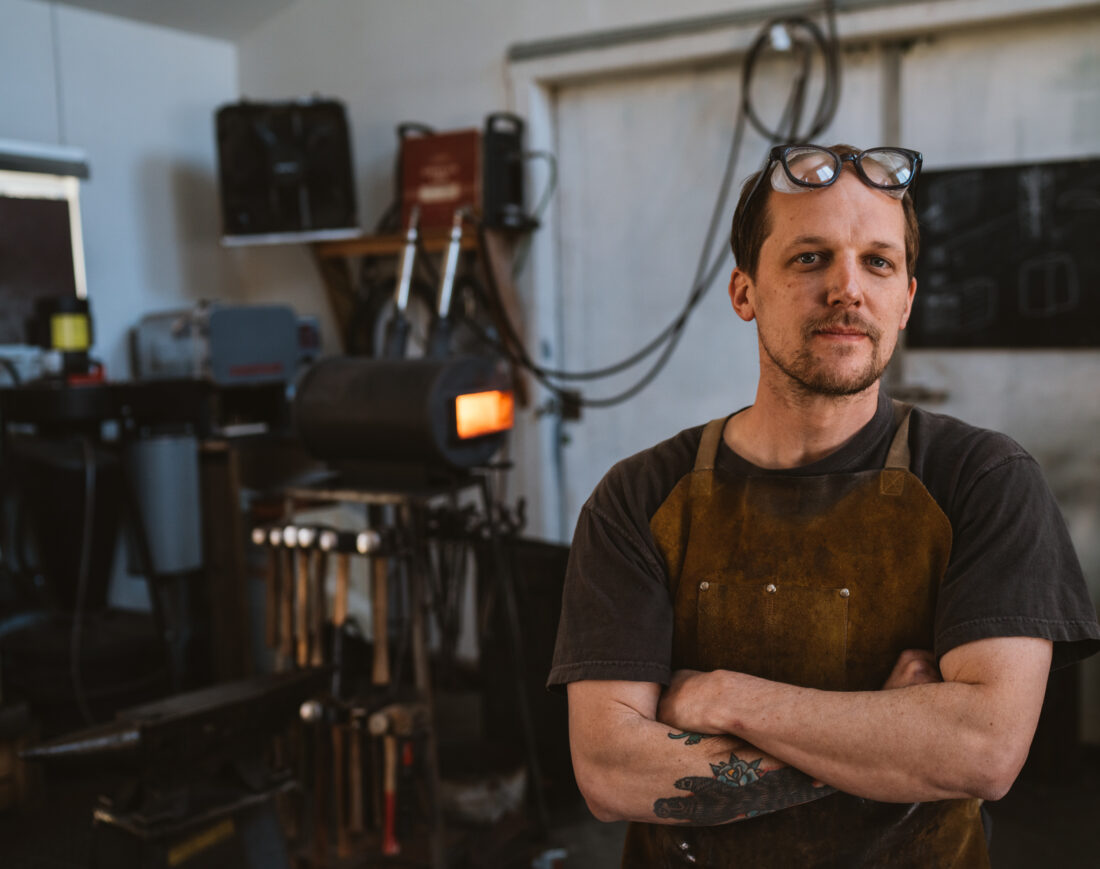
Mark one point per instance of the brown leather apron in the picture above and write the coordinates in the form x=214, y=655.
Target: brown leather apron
x=818, y=581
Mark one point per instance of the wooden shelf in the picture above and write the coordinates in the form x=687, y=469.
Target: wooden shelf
x=334, y=260
x=390, y=245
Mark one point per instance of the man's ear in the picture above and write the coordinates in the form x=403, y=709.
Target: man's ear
x=742, y=295
x=910, y=293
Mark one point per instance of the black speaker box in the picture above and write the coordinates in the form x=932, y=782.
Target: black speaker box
x=285, y=168
x=502, y=192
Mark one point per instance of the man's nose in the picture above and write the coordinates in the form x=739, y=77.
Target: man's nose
x=844, y=288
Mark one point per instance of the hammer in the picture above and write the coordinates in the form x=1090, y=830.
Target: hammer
x=316, y=561
x=260, y=537
x=391, y=722
x=301, y=602
x=370, y=542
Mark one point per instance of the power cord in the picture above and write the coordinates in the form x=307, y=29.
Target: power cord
x=771, y=33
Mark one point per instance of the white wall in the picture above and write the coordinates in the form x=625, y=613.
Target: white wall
x=140, y=101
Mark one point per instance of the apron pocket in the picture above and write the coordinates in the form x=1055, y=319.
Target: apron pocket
x=779, y=631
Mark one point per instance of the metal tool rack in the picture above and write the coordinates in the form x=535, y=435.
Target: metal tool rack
x=408, y=506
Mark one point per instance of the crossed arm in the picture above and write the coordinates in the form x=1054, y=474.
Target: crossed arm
x=720, y=746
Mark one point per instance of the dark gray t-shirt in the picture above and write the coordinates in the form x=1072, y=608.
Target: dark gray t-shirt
x=1012, y=572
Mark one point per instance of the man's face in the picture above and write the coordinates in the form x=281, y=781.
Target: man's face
x=831, y=290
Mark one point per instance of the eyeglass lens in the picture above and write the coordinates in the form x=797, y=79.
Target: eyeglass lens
x=883, y=167
x=886, y=167
x=812, y=165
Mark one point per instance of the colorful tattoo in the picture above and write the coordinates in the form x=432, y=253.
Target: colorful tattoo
x=692, y=738
x=738, y=789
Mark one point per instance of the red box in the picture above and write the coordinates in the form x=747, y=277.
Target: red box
x=440, y=172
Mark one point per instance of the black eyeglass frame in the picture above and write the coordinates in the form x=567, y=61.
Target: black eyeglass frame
x=779, y=154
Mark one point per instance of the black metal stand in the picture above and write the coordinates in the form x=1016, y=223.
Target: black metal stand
x=409, y=506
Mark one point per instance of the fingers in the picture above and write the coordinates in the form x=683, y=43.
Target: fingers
x=914, y=667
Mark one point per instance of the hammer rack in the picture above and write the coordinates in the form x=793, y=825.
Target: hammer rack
x=383, y=729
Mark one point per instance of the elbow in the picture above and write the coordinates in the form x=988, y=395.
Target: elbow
x=998, y=777
x=596, y=794
x=997, y=764
x=601, y=811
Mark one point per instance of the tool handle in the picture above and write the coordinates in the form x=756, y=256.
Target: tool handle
x=271, y=599
x=286, y=610
x=356, y=815
x=339, y=767
x=390, y=845
x=380, y=672
x=343, y=578
x=301, y=620
x=317, y=629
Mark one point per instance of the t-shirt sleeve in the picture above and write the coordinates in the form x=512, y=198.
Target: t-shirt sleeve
x=1013, y=569
x=616, y=618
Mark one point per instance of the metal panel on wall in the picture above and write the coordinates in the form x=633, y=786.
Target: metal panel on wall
x=641, y=160
x=1009, y=257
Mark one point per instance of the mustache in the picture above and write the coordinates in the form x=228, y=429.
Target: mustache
x=847, y=321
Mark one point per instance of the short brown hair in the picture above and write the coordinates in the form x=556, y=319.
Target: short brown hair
x=752, y=222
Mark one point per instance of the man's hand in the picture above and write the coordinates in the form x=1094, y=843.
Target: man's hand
x=631, y=766
x=693, y=696
x=689, y=701
x=914, y=667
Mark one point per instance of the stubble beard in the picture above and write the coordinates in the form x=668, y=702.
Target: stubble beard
x=812, y=376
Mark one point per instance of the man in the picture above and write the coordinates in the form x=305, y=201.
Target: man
x=817, y=632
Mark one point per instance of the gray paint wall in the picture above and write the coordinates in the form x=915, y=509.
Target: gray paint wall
x=139, y=100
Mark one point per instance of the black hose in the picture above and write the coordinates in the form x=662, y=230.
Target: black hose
x=788, y=131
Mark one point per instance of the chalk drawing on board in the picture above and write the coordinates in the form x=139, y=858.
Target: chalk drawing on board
x=1049, y=285
x=960, y=309
x=1033, y=190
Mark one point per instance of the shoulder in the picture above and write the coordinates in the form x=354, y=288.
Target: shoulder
x=640, y=483
x=951, y=457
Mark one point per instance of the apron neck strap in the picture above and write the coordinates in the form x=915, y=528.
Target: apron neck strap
x=708, y=445
x=898, y=457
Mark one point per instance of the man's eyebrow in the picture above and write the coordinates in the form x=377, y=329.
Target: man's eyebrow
x=820, y=240
x=808, y=239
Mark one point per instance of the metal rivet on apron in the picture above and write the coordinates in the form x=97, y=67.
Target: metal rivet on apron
x=844, y=592
x=703, y=586
x=770, y=588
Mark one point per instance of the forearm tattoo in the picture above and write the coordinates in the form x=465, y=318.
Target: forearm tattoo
x=737, y=789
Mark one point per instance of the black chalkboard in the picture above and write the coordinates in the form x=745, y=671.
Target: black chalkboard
x=1010, y=257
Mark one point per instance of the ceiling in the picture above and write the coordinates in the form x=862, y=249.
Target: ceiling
x=220, y=19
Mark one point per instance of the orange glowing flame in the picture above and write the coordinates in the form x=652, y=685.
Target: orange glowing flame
x=482, y=413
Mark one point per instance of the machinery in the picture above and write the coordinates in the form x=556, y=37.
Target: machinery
x=226, y=344
x=481, y=170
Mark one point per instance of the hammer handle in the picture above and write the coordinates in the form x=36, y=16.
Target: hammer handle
x=356, y=820
x=317, y=626
x=339, y=767
x=390, y=845
x=380, y=673
x=286, y=610
x=340, y=602
x=301, y=621
x=271, y=598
